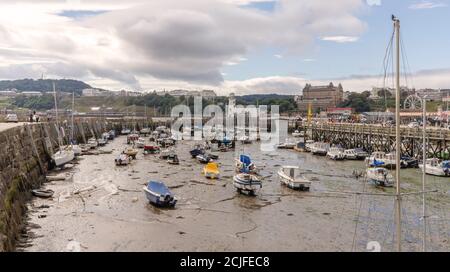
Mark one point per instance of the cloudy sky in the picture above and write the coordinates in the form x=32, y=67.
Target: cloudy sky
x=240, y=46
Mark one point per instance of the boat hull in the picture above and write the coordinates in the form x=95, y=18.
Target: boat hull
x=157, y=200
x=247, y=185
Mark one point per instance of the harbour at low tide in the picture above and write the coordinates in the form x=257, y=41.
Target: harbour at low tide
x=102, y=207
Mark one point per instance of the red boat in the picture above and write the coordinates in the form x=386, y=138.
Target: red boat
x=151, y=149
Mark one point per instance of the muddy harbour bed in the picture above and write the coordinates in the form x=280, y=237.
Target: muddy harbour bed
x=102, y=207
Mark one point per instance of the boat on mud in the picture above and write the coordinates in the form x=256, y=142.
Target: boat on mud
x=122, y=159
x=198, y=150
x=379, y=176
x=355, y=154
x=92, y=143
x=173, y=159
x=336, y=153
x=204, y=158
x=125, y=131
x=131, y=152
x=436, y=167
x=247, y=183
x=140, y=143
x=211, y=170
x=151, y=149
x=381, y=159
x=298, y=134
x=286, y=145
x=292, y=178
x=62, y=157
x=159, y=195
x=320, y=148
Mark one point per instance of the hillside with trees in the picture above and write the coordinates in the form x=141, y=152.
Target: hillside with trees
x=44, y=85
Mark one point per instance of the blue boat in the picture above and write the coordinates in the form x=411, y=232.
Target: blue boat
x=197, y=151
x=159, y=195
x=245, y=165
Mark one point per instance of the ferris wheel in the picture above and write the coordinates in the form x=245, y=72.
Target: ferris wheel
x=412, y=102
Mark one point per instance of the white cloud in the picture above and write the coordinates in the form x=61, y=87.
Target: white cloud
x=340, y=39
x=427, y=5
x=309, y=60
x=188, y=42
x=278, y=56
x=373, y=2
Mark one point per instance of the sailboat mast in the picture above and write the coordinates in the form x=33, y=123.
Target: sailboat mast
x=424, y=150
x=73, y=108
x=397, y=132
x=56, y=106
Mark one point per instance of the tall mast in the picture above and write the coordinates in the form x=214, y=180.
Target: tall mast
x=397, y=132
x=56, y=114
x=424, y=149
x=73, y=108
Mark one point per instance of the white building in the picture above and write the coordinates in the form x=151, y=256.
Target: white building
x=31, y=93
x=92, y=92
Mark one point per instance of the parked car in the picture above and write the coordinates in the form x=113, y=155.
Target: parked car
x=12, y=118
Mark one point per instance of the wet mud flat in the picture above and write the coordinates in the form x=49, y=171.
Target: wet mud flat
x=102, y=207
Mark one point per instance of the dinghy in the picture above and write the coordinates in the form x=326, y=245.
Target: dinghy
x=247, y=183
x=43, y=193
x=130, y=152
x=387, y=160
x=122, y=159
x=62, y=157
x=166, y=153
x=211, y=170
x=151, y=149
x=173, y=159
x=111, y=135
x=125, y=131
x=197, y=151
x=320, y=149
x=203, y=158
x=92, y=143
x=101, y=142
x=140, y=142
x=298, y=134
x=158, y=194
x=292, y=178
x=379, y=177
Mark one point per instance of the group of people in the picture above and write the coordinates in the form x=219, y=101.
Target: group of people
x=34, y=117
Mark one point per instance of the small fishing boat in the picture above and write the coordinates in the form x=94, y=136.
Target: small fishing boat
x=101, y=142
x=309, y=145
x=140, y=142
x=43, y=193
x=246, y=140
x=145, y=131
x=300, y=147
x=211, y=170
x=298, y=134
x=62, y=157
x=158, y=194
x=320, y=148
x=245, y=165
x=361, y=154
x=111, y=134
x=436, y=167
x=197, y=151
x=122, y=159
x=77, y=150
x=132, y=138
x=151, y=149
x=336, y=153
x=351, y=154
x=105, y=136
x=166, y=153
x=286, y=145
x=131, y=152
x=249, y=183
x=92, y=143
x=173, y=159
x=204, y=158
x=292, y=178
x=387, y=160
x=379, y=177
x=213, y=156
x=125, y=131
x=409, y=162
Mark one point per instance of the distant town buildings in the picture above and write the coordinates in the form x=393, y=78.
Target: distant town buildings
x=207, y=94
x=320, y=97
x=432, y=94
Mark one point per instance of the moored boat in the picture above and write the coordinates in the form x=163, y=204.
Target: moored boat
x=382, y=159
x=140, y=143
x=173, y=159
x=62, y=157
x=245, y=165
x=131, y=152
x=249, y=183
x=292, y=178
x=336, y=153
x=211, y=170
x=379, y=177
x=151, y=149
x=92, y=143
x=298, y=133
x=197, y=151
x=320, y=148
x=436, y=167
x=158, y=194
x=125, y=131
x=122, y=159
x=204, y=158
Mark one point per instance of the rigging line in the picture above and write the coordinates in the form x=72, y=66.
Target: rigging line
x=386, y=65
x=389, y=225
x=407, y=61
x=405, y=68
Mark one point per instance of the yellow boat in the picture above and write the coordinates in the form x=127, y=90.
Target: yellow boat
x=130, y=152
x=211, y=170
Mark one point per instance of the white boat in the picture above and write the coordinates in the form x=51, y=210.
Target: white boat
x=101, y=141
x=355, y=154
x=308, y=145
x=145, y=131
x=140, y=143
x=122, y=159
x=320, y=148
x=298, y=134
x=379, y=176
x=292, y=178
x=246, y=183
x=336, y=153
x=63, y=156
x=382, y=159
x=105, y=136
x=286, y=145
x=125, y=131
x=436, y=167
x=92, y=143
